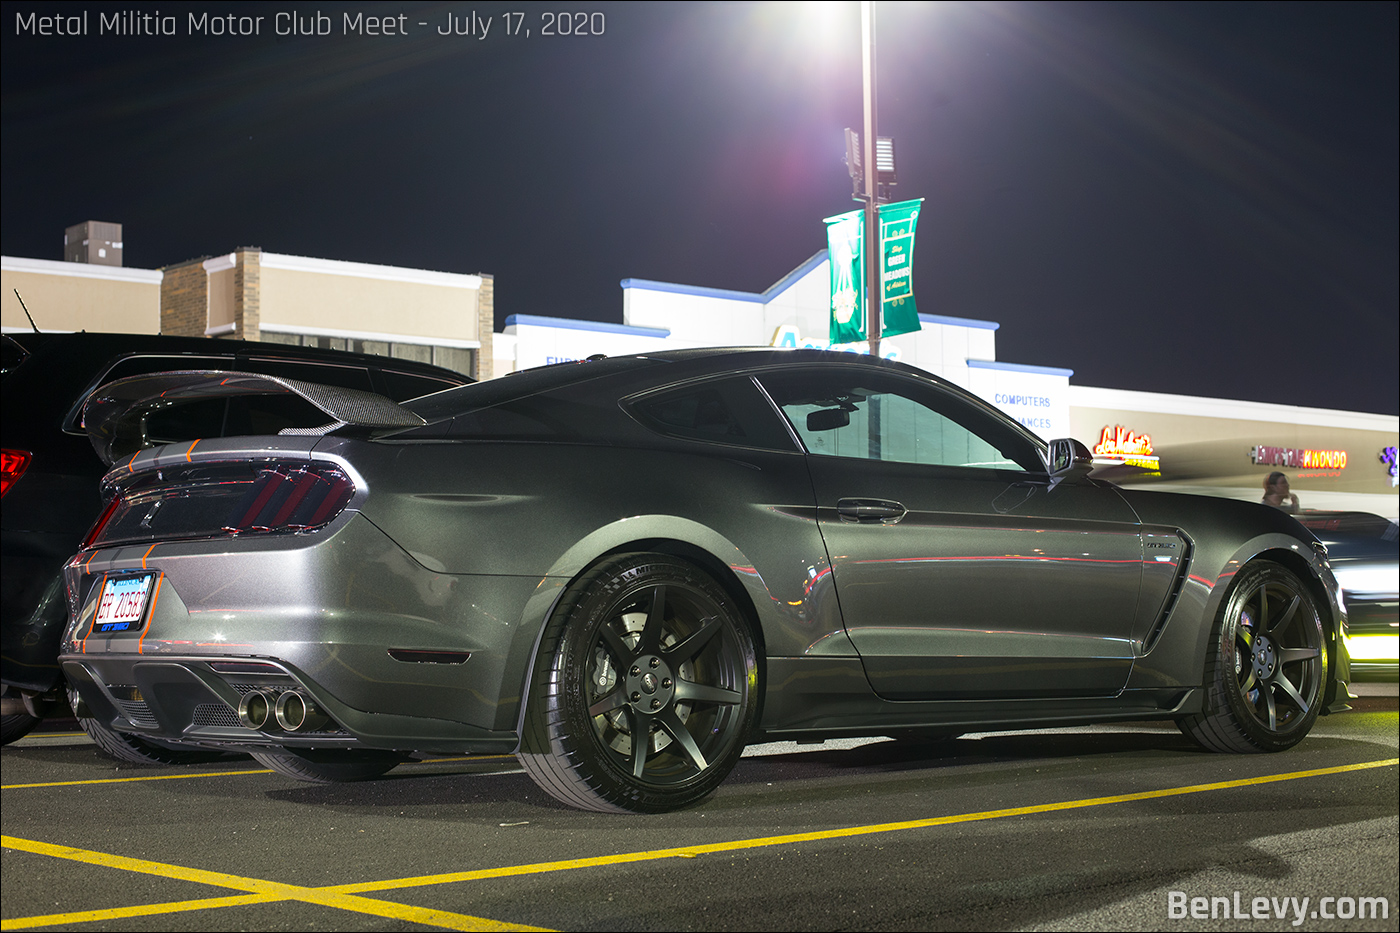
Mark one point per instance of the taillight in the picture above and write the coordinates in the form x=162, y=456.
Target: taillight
x=208, y=500
x=15, y=462
x=298, y=499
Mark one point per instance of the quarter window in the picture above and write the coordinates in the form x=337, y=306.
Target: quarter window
x=727, y=411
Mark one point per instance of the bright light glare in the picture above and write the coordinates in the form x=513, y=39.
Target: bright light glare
x=1370, y=578
x=1373, y=647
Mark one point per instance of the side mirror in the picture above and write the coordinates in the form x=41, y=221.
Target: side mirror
x=828, y=419
x=1069, y=460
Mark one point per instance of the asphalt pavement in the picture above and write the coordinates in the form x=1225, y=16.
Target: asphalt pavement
x=1122, y=827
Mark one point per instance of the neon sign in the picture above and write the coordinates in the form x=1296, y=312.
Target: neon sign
x=1119, y=444
x=1264, y=455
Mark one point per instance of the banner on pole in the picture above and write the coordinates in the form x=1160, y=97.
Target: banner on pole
x=898, y=314
x=845, y=238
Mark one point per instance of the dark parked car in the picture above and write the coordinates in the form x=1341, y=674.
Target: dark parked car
x=51, y=472
x=625, y=569
x=1364, y=551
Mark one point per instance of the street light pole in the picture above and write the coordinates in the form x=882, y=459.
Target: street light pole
x=874, y=293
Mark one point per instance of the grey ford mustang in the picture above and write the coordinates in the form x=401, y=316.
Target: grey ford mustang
x=623, y=570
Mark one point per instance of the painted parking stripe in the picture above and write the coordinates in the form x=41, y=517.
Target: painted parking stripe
x=846, y=832
x=206, y=774
x=130, y=780
x=268, y=891
x=342, y=896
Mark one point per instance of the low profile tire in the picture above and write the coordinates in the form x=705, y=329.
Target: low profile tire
x=330, y=767
x=130, y=748
x=1267, y=666
x=645, y=689
x=17, y=724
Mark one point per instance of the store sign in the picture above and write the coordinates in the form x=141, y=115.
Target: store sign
x=788, y=337
x=1298, y=459
x=845, y=238
x=1118, y=444
x=1388, y=458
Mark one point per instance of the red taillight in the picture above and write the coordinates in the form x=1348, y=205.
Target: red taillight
x=296, y=499
x=15, y=462
x=205, y=500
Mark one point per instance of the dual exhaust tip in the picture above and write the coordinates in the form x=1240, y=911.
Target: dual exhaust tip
x=285, y=711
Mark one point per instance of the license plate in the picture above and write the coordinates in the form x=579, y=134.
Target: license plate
x=122, y=605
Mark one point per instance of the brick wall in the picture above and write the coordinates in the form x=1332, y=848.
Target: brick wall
x=485, y=325
x=247, y=285
x=184, y=299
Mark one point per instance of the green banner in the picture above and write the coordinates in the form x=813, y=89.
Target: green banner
x=845, y=239
x=845, y=247
x=898, y=315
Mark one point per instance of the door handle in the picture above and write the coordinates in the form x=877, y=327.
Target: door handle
x=870, y=511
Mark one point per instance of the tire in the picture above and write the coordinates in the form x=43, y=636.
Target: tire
x=643, y=644
x=1267, y=666
x=134, y=750
x=329, y=767
x=18, y=724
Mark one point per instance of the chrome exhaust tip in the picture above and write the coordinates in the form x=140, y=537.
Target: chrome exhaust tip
x=296, y=712
x=255, y=710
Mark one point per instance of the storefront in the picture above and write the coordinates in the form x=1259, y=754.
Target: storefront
x=1334, y=459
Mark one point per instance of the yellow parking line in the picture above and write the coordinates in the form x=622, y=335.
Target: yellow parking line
x=692, y=851
x=129, y=780
x=269, y=890
x=145, y=910
x=343, y=896
x=203, y=774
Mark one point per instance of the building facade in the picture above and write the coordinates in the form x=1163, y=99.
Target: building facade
x=1334, y=459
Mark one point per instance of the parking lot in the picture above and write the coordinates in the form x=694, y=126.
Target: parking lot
x=1126, y=827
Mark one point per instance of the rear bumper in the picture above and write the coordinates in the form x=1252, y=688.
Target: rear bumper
x=195, y=701
x=398, y=655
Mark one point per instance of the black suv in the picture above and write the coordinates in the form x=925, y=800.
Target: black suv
x=51, y=471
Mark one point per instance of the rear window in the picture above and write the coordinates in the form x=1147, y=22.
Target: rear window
x=522, y=385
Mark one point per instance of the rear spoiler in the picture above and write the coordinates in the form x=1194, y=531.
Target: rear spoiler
x=114, y=416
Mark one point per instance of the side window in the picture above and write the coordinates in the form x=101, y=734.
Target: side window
x=403, y=386
x=142, y=365
x=877, y=417
x=347, y=377
x=252, y=414
x=728, y=411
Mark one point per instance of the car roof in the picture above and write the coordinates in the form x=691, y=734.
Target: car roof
x=58, y=370
x=100, y=346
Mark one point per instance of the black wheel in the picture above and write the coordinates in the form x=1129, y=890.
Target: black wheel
x=15, y=722
x=645, y=689
x=329, y=767
x=132, y=749
x=1267, y=668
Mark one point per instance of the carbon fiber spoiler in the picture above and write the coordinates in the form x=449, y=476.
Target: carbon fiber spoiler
x=114, y=416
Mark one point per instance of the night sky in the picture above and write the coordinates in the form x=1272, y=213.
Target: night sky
x=1187, y=198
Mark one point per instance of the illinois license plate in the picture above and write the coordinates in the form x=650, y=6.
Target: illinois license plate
x=122, y=605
